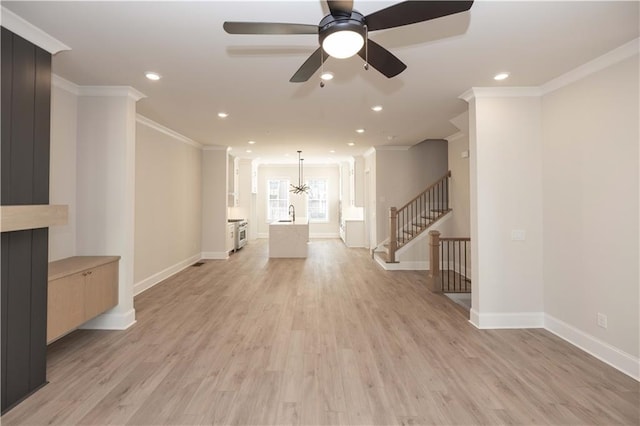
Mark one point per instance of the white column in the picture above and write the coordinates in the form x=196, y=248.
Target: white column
x=106, y=188
x=506, y=207
x=214, y=202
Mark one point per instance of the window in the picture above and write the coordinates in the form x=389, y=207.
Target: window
x=278, y=199
x=318, y=204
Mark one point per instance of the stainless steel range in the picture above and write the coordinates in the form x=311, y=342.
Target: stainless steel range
x=241, y=233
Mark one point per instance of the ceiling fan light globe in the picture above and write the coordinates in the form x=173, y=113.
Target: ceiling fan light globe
x=343, y=44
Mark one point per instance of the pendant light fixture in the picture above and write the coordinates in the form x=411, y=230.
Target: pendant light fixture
x=301, y=188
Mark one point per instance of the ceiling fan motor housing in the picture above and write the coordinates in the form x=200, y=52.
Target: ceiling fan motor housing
x=332, y=24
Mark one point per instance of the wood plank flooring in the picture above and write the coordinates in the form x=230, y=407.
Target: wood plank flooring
x=332, y=339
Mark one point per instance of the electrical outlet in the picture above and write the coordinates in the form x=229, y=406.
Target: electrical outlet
x=602, y=320
x=518, y=235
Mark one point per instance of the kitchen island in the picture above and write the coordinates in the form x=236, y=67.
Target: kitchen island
x=289, y=238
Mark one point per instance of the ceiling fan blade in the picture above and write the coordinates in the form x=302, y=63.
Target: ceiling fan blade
x=410, y=12
x=268, y=28
x=309, y=67
x=340, y=7
x=382, y=60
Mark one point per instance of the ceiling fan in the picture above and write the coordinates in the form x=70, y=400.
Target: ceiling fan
x=344, y=32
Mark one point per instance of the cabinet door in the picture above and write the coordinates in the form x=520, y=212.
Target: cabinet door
x=65, y=305
x=101, y=289
x=231, y=238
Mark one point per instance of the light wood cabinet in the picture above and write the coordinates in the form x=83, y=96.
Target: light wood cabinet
x=80, y=288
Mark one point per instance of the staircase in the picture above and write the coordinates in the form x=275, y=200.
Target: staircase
x=418, y=215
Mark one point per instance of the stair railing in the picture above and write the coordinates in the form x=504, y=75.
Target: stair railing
x=410, y=220
x=449, y=264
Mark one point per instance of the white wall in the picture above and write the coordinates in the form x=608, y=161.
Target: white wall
x=214, y=202
x=106, y=188
x=562, y=162
x=62, y=173
x=590, y=171
x=168, y=219
x=506, y=187
x=316, y=230
x=401, y=174
x=458, y=224
x=371, y=199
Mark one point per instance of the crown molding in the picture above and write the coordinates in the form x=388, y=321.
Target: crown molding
x=392, y=148
x=369, y=151
x=455, y=137
x=500, y=92
x=30, y=32
x=167, y=131
x=114, y=91
x=215, y=148
x=618, y=54
x=66, y=85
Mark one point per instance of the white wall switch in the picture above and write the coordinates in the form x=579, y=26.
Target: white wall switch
x=518, y=234
x=602, y=320
x=465, y=154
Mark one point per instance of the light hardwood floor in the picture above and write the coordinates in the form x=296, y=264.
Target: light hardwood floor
x=332, y=339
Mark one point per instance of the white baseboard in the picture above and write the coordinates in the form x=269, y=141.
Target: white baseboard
x=620, y=360
x=417, y=265
x=154, y=279
x=111, y=321
x=507, y=320
x=214, y=255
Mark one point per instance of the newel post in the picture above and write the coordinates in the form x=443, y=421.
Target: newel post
x=393, y=236
x=434, y=261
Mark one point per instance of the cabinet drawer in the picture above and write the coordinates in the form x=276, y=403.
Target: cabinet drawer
x=65, y=305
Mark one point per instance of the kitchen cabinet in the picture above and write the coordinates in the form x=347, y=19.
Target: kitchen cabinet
x=352, y=232
x=358, y=182
x=352, y=182
x=231, y=237
x=80, y=288
x=233, y=181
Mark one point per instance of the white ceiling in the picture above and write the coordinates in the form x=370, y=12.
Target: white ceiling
x=206, y=70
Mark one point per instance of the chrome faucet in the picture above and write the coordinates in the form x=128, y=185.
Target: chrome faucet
x=292, y=212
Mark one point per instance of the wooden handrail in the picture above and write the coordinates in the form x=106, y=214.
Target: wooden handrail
x=393, y=237
x=447, y=175
x=455, y=239
x=416, y=216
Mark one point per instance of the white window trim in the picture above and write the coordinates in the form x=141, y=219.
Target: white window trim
x=267, y=219
x=328, y=219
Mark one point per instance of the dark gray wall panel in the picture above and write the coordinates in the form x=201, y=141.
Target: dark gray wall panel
x=41, y=129
x=39, y=284
x=26, y=97
x=22, y=122
x=6, y=90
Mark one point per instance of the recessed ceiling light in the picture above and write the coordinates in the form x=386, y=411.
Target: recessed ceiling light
x=326, y=76
x=360, y=130
x=223, y=115
x=152, y=76
x=501, y=76
x=248, y=151
x=377, y=108
x=252, y=142
x=350, y=143
x=332, y=151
